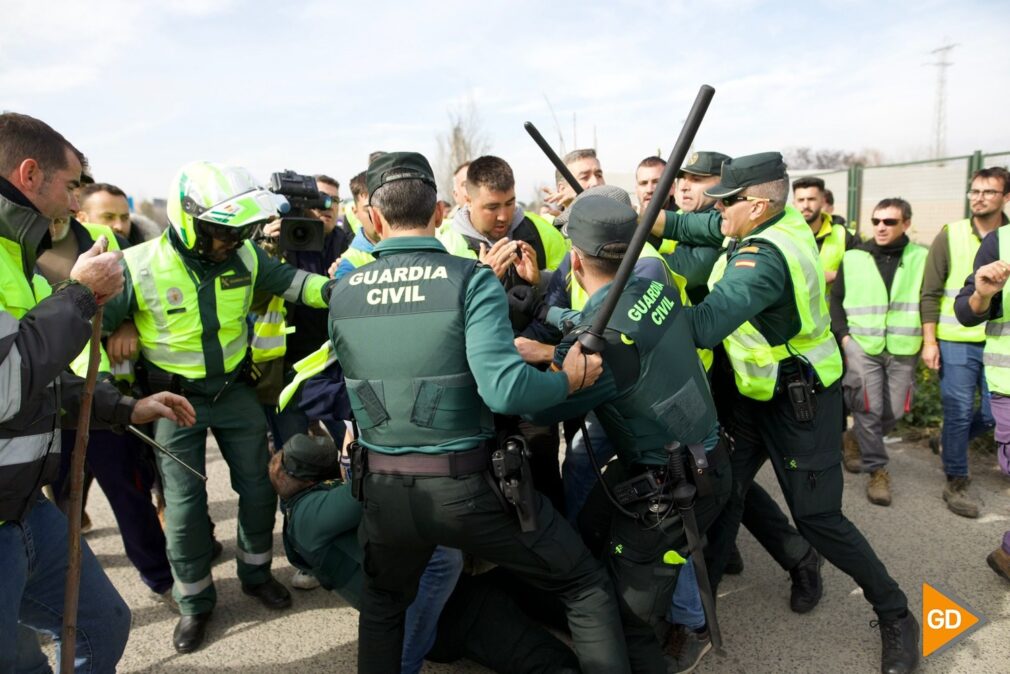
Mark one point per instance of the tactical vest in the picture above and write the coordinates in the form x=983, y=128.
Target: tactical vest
x=168, y=312
x=755, y=361
x=664, y=396
x=876, y=320
x=397, y=326
x=996, y=357
x=963, y=246
x=833, y=246
x=577, y=296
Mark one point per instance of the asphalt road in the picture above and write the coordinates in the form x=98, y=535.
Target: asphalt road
x=917, y=537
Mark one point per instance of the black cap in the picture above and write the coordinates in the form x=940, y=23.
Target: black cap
x=310, y=458
x=596, y=221
x=393, y=166
x=705, y=163
x=742, y=172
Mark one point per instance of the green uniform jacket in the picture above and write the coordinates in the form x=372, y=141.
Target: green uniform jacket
x=756, y=286
x=504, y=382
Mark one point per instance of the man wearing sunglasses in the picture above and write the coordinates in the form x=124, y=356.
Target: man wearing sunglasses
x=954, y=349
x=188, y=295
x=767, y=308
x=876, y=320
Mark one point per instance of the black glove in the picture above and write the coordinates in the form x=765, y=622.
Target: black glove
x=522, y=305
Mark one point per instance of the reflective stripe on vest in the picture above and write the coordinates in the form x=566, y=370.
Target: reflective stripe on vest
x=357, y=257
x=755, y=362
x=875, y=321
x=833, y=247
x=307, y=367
x=168, y=312
x=996, y=356
x=269, y=340
x=963, y=246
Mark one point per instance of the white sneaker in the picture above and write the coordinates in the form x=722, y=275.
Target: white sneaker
x=303, y=580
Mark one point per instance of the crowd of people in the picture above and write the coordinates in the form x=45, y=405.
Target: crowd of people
x=455, y=449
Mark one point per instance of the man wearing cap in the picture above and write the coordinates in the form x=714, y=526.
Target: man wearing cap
x=649, y=397
x=767, y=308
x=425, y=343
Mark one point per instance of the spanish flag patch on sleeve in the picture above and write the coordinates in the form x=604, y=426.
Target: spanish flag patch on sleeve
x=745, y=263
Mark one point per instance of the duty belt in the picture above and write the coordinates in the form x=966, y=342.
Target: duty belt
x=448, y=464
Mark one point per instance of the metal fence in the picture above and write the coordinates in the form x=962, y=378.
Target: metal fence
x=935, y=188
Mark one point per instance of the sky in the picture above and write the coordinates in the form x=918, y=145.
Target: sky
x=143, y=87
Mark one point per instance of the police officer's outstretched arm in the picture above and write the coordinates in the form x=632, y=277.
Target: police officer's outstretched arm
x=506, y=383
x=294, y=285
x=699, y=229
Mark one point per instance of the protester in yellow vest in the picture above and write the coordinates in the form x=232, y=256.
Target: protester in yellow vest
x=188, y=294
x=876, y=319
x=767, y=308
x=948, y=342
x=981, y=301
x=360, y=251
x=832, y=239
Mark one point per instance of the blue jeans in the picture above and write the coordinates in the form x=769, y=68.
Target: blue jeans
x=961, y=374
x=33, y=559
x=421, y=622
x=685, y=605
x=577, y=472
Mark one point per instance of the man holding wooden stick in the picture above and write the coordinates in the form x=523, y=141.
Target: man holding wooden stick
x=38, y=340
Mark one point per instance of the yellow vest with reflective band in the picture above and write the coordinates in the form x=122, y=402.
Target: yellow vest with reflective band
x=350, y=218
x=96, y=230
x=577, y=296
x=875, y=321
x=667, y=246
x=833, y=246
x=555, y=245
x=755, y=361
x=963, y=246
x=357, y=257
x=269, y=340
x=307, y=367
x=996, y=356
x=168, y=313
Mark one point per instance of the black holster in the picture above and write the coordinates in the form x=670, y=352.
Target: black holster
x=511, y=468
x=359, y=468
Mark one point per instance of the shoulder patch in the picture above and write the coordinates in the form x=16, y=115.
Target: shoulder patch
x=745, y=263
x=749, y=249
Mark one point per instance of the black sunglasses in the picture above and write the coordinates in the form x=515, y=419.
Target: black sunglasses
x=729, y=201
x=890, y=222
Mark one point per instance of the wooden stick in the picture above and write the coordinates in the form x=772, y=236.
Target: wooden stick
x=71, y=595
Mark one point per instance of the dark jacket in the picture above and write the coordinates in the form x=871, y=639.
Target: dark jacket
x=310, y=324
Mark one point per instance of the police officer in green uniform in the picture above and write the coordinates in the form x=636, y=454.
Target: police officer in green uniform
x=767, y=308
x=426, y=347
x=652, y=395
x=187, y=297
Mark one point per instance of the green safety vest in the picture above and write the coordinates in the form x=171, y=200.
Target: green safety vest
x=755, y=361
x=963, y=246
x=269, y=338
x=669, y=398
x=877, y=321
x=555, y=244
x=578, y=297
x=357, y=257
x=307, y=367
x=168, y=313
x=996, y=357
x=833, y=246
x=423, y=395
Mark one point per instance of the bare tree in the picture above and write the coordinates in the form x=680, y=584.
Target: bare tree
x=824, y=158
x=465, y=140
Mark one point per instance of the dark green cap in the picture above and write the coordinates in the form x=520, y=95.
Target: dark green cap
x=705, y=163
x=393, y=166
x=752, y=169
x=310, y=458
x=596, y=220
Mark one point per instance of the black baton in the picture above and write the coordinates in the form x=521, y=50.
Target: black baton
x=553, y=156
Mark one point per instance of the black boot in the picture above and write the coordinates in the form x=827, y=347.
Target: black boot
x=807, y=585
x=190, y=631
x=899, y=644
x=734, y=565
x=271, y=593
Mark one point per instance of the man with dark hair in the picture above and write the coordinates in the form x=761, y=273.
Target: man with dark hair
x=832, y=239
x=767, y=309
x=43, y=332
x=876, y=320
x=961, y=346
x=425, y=419
x=585, y=166
x=829, y=208
x=359, y=252
x=647, y=175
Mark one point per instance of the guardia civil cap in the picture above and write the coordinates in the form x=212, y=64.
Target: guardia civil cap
x=742, y=172
x=596, y=221
x=311, y=458
x=705, y=163
x=393, y=166
x=609, y=191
